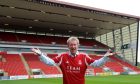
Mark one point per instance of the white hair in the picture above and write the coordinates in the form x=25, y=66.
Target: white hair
x=73, y=39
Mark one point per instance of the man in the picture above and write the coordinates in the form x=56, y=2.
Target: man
x=73, y=64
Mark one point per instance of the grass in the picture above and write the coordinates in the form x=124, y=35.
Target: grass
x=121, y=79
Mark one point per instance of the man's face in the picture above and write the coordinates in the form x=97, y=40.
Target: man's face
x=73, y=46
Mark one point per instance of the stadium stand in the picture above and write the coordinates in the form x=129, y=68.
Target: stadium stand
x=126, y=64
x=66, y=23
x=29, y=38
x=13, y=65
x=34, y=63
x=4, y=36
x=98, y=70
x=116, y=65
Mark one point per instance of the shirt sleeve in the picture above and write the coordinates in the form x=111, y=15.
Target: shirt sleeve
x=58, y=59
x=89, y=60
x=99, y=62
x=47, y=60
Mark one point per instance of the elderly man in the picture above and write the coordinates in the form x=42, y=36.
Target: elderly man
x=73, y=63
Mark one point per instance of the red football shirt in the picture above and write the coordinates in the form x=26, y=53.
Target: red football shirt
x=73, y=68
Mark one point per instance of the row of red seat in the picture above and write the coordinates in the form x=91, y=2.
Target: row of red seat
x=126, y=64
x=15, y=66
x=29, y=38
x=115, y=66
x=34, y=63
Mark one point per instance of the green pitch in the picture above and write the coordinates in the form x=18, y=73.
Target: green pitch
x=121, y=79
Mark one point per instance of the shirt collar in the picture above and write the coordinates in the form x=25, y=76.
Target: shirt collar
x=77, y=53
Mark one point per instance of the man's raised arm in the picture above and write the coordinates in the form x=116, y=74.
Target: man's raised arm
x=43, y=58
x=102, y=60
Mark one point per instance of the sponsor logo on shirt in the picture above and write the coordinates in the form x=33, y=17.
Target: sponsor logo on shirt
x=75, y=69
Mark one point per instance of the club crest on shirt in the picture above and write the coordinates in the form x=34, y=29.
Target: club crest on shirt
x=80, y=62
x=67, y=62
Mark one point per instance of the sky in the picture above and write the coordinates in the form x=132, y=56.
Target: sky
x=130, y=7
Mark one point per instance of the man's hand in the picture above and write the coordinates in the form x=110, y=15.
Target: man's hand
x=36, y=51
x=108, y=53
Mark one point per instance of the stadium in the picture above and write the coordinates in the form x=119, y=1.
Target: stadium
x=47, y=24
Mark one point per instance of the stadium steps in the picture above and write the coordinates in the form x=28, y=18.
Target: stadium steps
x=26, y=65
x=35, y=63
x=17, y=38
